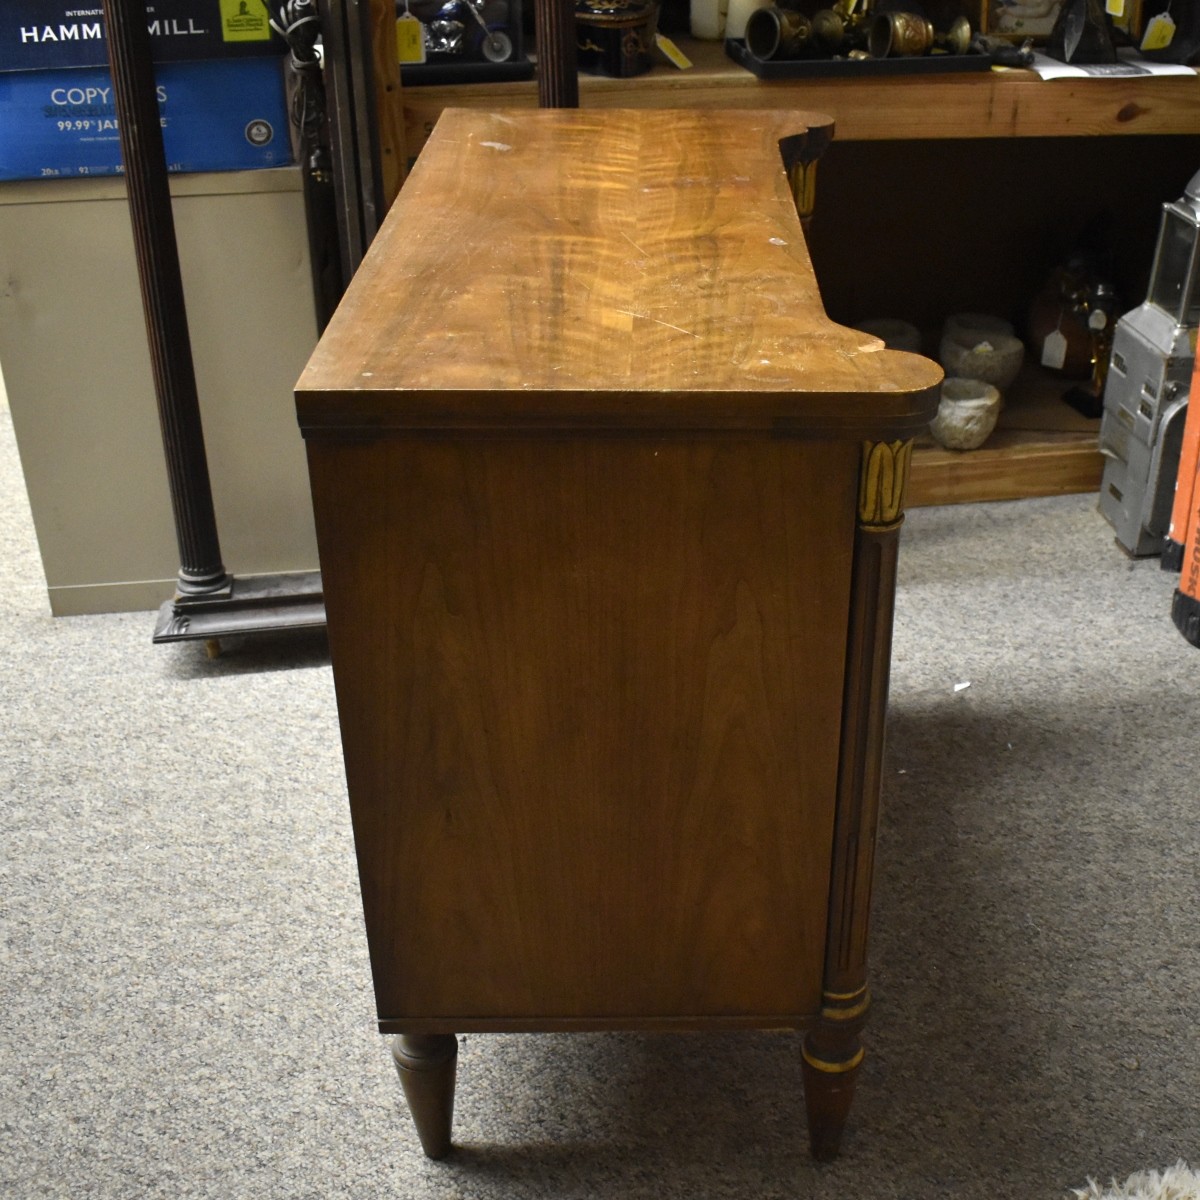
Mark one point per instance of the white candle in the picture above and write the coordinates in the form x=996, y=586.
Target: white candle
x=706, y=19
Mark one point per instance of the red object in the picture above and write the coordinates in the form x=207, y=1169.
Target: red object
x=1185, y=523
x=1185, y=483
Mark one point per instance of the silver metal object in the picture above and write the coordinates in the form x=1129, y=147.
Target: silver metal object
x=1145, y=395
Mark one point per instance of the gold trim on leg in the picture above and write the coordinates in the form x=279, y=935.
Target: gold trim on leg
x=882, y=484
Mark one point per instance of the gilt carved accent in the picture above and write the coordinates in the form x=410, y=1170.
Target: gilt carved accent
x=882, y=483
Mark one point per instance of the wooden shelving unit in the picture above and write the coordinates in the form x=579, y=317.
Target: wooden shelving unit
x=1041, y=447
x=991, y=104
x=943, y=186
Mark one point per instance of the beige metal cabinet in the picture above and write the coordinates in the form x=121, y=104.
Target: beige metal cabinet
x=73, y=346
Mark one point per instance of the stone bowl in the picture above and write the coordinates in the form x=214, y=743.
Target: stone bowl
x=978, y=325
x=995, y=359
x=966, y=415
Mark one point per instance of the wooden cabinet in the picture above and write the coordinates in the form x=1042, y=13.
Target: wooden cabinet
x=951, y=193
x=607, y=511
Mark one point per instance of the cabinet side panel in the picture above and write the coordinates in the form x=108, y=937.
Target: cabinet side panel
x=590, y=695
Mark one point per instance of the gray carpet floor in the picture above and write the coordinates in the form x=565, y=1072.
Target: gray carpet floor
x=185, y=1006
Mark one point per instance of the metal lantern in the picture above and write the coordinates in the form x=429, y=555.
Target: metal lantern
x=1174, y=276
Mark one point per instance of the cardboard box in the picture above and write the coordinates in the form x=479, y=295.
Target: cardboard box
x=40, y=35
x=221, y=115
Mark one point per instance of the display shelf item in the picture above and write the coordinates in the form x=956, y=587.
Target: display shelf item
x=466, y=41
x=852, y=68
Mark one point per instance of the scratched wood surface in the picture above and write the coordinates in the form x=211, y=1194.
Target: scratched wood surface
x=574, y=266
x=590, y=697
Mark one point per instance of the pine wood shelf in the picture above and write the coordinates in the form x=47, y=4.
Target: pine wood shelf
x=993, y=104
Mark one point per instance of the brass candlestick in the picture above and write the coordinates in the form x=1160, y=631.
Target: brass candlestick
x=778, y=33
x=903, y=34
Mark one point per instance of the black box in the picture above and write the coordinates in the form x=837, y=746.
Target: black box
x=467, y=42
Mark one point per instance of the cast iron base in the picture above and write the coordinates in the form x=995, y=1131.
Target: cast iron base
x=261, y=604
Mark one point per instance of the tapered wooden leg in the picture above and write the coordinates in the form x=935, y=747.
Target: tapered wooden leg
x=832, y=1055
x=427, y=1064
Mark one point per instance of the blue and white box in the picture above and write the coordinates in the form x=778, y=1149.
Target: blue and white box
x=217, y=115
x=43, y=35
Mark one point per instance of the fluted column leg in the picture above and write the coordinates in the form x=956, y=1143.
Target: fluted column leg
x=833, y=1050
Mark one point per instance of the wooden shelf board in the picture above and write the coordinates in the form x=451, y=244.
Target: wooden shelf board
x=1012, y=465
x=997, y=103
x=1041, y=447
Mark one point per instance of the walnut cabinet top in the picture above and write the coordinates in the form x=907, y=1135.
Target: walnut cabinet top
x=575, y=269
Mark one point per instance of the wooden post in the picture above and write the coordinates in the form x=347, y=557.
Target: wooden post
x=389, y=101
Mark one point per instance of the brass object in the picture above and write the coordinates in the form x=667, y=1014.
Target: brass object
x=778, y=33
x=832, y=1066
x=881, y=484
x=956, y=39
x=837, y=1009
x=902, y=34
x=800, y=157
x=802, y=179
x=899, y=34
x=842, y=28
x=829, y=29
x=855, y=995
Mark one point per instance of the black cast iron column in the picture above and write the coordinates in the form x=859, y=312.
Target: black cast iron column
x=558, y=77
x=201, y=569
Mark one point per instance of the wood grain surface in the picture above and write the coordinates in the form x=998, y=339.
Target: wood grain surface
x=590, y=694
x=621, y=270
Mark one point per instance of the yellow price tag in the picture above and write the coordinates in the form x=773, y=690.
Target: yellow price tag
x=1114, y=8
x=244, y=21
x=410, y=39
x=672, y=51
x=1160, y=29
